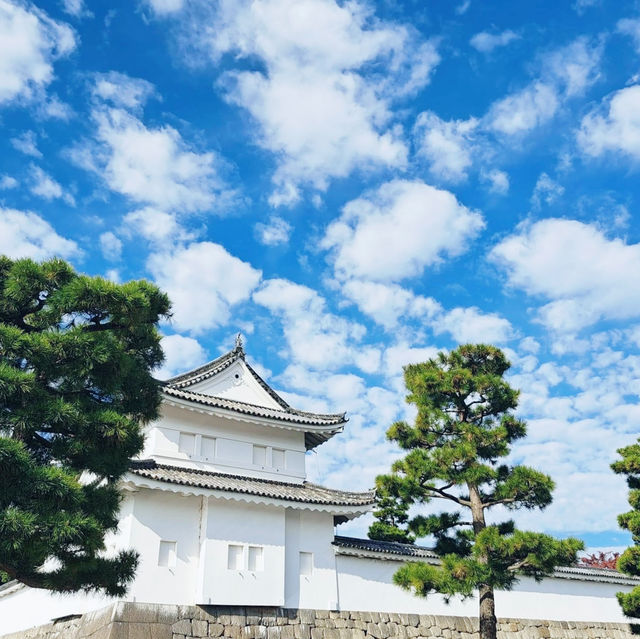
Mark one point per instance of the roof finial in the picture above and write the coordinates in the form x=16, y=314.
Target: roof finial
x=239, y=344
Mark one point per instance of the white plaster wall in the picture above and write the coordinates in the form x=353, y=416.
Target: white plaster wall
x=234, y=445
x=245, y=524
x=171, y=517
x=311, y=532
x=28, y=607
x=366, y=584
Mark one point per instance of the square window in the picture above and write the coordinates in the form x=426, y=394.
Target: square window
x=259, y=455
x=306, y=564
x=277, y=458
x=235, y=558
x=208, y=448
x=167, y=554
x=187, y=444
x=256, y=558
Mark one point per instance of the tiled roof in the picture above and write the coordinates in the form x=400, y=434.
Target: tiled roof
x=217, y=366
x=178, y=387
x=394, y=548
x=305, y=492
x=386, y=547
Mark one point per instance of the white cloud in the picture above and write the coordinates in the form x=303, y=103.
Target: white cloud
x=122, y=90
x=546, y=191
x=486, y=42
x=522, y=111
x=25, y=234
x=26, y=143
x=615, y=126
x=152, y=166
x=111, y=246
x=204, y=281
x=7, y=182
x=586, y=276
x=75, y=8
x=575, y=67
x=275, y=231
x=387, y=304
x=181, y=354
x=447, y=145
x=474, y=326
x=158, y=227
x=630, y=27
x=165, y=7
x=55, y=109
x=398, y=230
x=44, y=186
x=316, y=338
x=30, y=42
x=498, y=181
x=317, y=105
x=566, y=73
x=402, y=354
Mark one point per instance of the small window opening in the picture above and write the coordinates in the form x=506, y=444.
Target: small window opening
x=306, y=564
x=256, y=558
x=167, y=554
x=235, y=559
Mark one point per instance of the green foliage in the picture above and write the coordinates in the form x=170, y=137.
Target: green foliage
x=629, y=560
x=464, y=426
x=75, y=385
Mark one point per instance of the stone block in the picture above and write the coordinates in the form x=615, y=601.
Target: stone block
x=182, y=627
x=199, y=628
x=307, y=616
x=215, y=629
x=158, y=631
x=287, y=632
x=302, y=631
x=317, y=633
x=373, y=630
x=273, y=632
x=139, y=631
x=233, y=631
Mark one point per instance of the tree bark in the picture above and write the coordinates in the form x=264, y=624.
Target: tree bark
x=487, y=609
x=488, y=621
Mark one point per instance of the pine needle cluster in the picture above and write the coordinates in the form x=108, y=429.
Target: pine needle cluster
x=76, y=355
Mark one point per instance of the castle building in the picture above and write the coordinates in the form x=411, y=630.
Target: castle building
x=219, y=508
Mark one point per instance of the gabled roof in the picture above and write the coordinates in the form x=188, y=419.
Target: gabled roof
x=318, y=427
x=305, y=492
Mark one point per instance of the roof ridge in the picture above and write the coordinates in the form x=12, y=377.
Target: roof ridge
x=186, y=378
x=371, y=492
x=290, y=410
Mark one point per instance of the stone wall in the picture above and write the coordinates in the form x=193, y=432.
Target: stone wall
x=146, y=621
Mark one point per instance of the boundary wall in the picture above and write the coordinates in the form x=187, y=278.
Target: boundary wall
x=152, y=621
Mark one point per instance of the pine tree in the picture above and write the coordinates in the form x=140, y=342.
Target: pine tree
x=76, y=354
x=464, y=425
x=629, y=560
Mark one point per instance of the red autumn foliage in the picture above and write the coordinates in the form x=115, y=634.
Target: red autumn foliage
x=600, y=560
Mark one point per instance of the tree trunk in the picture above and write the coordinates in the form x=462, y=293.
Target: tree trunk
x=488, y=621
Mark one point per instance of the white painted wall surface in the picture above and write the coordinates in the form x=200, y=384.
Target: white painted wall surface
x=247, y=525
x=366, y=584
x=163, y=516
x=28, y=607
x=310, y=532
x=233, y=446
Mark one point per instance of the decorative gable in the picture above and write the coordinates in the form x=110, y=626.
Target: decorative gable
x=237, y=382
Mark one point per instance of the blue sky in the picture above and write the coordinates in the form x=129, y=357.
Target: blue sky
x=354, y=186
